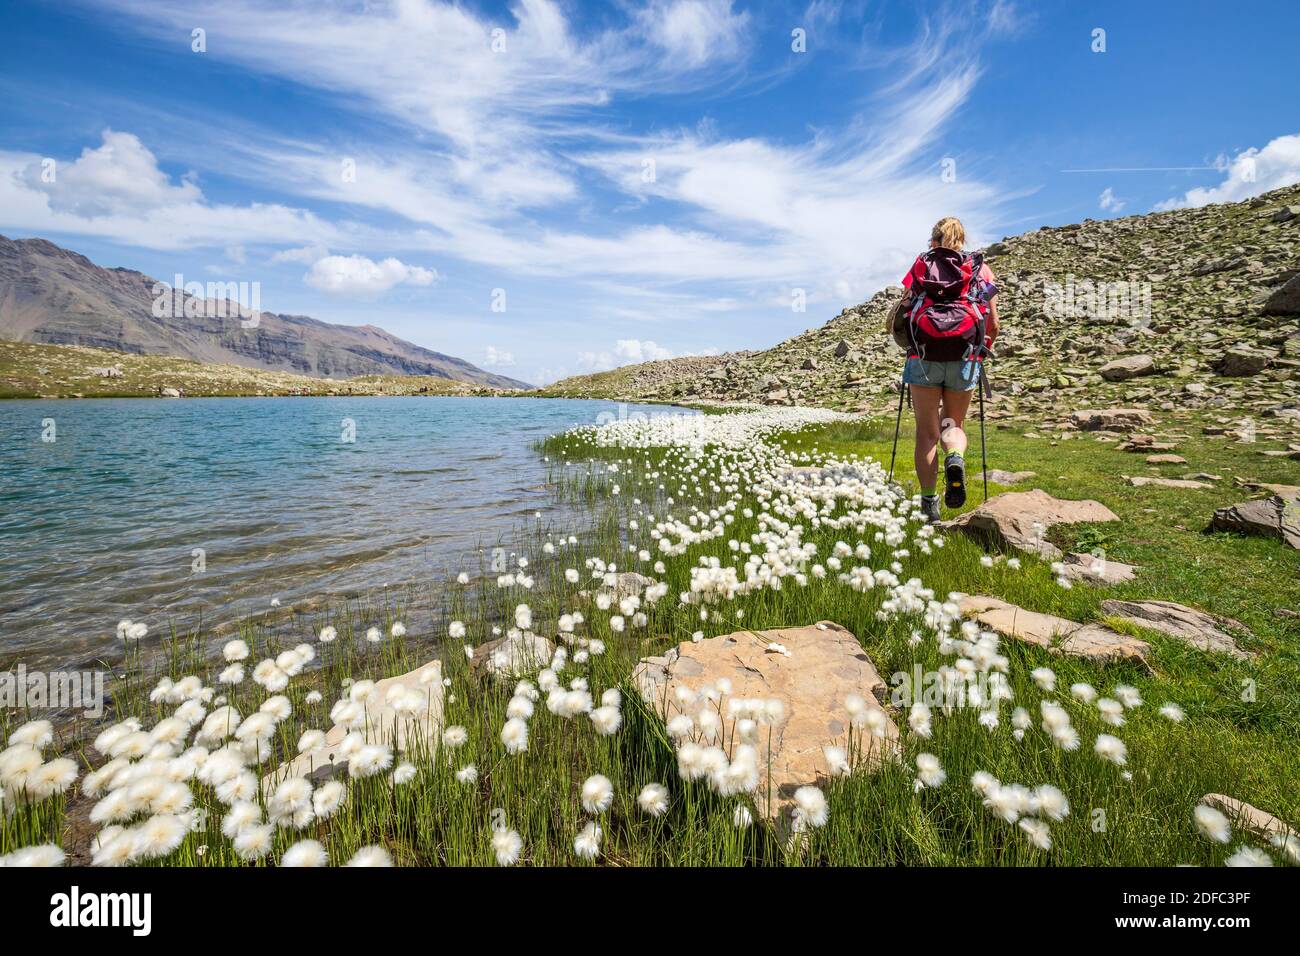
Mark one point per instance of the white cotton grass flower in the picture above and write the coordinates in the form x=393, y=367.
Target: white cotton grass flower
x=1212, y=823
x=1248, y=856
x=1045, y=678
x=456, y=630
x=1084, y=693
x=1112, y=711
x=371, y=856
x=157, y=836
x=327, y=799
x=370, y=760
x=1172, y=712
x=403, y=773
x=515, y=735
x=242, y=814
x=467, y=774
x=1128, y=696
x=741, y=817
x=653, y=799
x=587, y=842
x=1040, y=834
x=43, y=855
x=454, y=736
x=837, y=759
x=928, y=771
x=1111, y=748
x=1288, y=844
x=918, y=719
x=305, y=853
x=34, y=733
x=254, y=842
x=398, y=629
x=1050, y=802
x=810, y=809
x=607, y=720
x=507, y=846
x=597, y=794
x=374, y=635
x=327, y=634
x=311, y=740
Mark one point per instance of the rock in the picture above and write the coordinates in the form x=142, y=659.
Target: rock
x=170, y=393
x=1141, y=481
x=1284, y=491
x=1189, y=625
x=1242, y=361
x=517, y=653
x=842, y=348
x=1096, y=569
x=809, y=365
x=1286, y=299
x=1111, y=419
x=383, y=725
x=1123, y=369
x=1286, y=213
x=1057, y=634
x=1166, y=460
x=1245, y=817
x=1021, y=519
x=1275, y=517
x=825, y=664
x=999, y=477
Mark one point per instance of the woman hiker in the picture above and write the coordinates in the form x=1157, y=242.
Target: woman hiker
x=952, y=302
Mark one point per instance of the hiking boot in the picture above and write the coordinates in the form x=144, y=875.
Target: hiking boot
x=954, y=474
x=930, y=508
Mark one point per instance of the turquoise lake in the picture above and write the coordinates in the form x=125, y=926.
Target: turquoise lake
x=103, y=522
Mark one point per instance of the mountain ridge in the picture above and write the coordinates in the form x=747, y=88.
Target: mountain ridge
x=53, y=295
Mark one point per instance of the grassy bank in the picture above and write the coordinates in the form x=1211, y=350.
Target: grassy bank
x=700, y=488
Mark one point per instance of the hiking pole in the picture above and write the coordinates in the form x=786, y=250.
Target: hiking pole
x=898, y=423
x=984, y=456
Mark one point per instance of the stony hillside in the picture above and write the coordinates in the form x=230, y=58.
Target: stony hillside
x=1195, y=307
x=54, y=296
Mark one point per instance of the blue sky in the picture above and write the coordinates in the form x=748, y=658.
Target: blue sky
x=639, y=180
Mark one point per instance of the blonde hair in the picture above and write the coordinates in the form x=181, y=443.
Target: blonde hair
x=949, y=233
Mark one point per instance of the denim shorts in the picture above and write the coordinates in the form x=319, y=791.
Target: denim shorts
x=958, y=376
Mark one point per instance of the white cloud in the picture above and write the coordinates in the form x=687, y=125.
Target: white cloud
x=1108, y=201
x=636, y=350
x=303, y=255
x=695, y=31
x=1251, y=172
x=117, y=191
x=362, y=277
x=498, y=359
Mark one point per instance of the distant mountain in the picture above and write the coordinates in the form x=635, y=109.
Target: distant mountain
x=54, y=296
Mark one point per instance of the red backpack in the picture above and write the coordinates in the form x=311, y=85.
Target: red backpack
x=949, y=301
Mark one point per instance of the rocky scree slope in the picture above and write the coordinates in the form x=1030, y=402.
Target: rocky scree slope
x=1222, y=330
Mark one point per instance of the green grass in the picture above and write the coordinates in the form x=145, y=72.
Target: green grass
x=1231, y=742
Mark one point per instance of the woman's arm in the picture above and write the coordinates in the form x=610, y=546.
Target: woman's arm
x=992, y=328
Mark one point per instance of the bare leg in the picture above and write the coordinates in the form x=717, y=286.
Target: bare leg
x=952, y=418
x=925, y=404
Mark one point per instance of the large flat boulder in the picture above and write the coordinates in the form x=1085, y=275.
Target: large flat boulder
x=1110, y=419
x=1200, y=630
x=998, y=477
x=1021, y=519
x=825, y=664
x=383, y=725
x=1141, y=481
x=1276, y=517
x=1056, y=634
